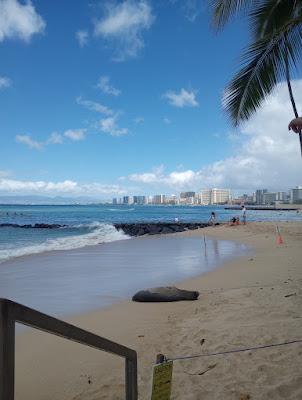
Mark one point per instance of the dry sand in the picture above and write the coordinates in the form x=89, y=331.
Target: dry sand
x=254, y=300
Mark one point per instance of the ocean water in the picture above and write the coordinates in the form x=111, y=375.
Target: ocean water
x=71, y=282
x=88, y=225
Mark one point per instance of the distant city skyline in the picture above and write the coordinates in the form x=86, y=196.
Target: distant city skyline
x=212, y=196
x=179, y=198
x=97, y=101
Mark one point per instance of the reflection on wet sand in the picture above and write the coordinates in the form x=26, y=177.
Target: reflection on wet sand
x=68, y=282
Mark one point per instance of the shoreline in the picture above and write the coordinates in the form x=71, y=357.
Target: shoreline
x=241, y=303
x=82, y=280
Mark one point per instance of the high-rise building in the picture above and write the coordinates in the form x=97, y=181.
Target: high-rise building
x=185, y=195
x=259, y=196
x=171, y=199
x=296, y=195
x=187, y=198
x=198, y=198
x=158, y=199
x=206, y=196
x=281, y=196
x=269, y=198
x=114, y=201
x=139, y=200
x=126, y=200
x=215, y=196
x=221, y=196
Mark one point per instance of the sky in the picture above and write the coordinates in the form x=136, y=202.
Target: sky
x=108, y=98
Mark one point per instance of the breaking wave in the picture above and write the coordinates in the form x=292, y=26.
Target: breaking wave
x=88, y=235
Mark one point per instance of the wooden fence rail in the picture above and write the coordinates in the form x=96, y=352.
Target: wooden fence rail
x=11, y=312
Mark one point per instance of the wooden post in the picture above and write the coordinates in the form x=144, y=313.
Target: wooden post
x=131, y=379
x=7, y=353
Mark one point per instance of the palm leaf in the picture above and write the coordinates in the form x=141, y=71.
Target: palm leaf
x=270, y=15
x=224, y=10
x=264, y=66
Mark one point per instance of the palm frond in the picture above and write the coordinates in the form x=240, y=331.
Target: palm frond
x=224, y=10
x=270, y=15
x=264, y=66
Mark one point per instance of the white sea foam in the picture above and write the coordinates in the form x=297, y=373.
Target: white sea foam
x=100, y=233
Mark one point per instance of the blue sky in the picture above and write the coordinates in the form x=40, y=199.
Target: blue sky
x=107, y=98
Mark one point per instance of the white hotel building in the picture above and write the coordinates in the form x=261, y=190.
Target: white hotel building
x=215, y=196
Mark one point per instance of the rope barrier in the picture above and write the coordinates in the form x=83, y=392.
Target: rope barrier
x=235, y=350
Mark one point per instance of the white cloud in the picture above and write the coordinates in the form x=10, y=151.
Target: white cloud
x=82, y=37
x=139, y=120
x=75, y=134
x=54, y=138
x=109, y=125
x=54, y=188
x=176, y=179
x=155, y=176
x=19, y=20
x=5, y=82
x=104, y=85
x=167, y=121
x=94, y=106
x=182, y=99
x=267, y=156
x=123, y=25
x=191, y=8
x=26, y=139
x=4, y=174
x=146, y=177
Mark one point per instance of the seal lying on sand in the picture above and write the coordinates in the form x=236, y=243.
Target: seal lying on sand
x=166, y=293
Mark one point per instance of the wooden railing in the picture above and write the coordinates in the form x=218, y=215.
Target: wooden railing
x=11, y=312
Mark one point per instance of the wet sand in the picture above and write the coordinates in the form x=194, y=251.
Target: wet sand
x=62, y=283
x=253, y=300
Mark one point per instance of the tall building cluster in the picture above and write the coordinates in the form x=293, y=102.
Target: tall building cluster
x=216, y=196
x=264, y=197
x=204, y=197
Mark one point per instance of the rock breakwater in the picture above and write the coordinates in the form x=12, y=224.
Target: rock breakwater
x=30, y=226
x=155, y=228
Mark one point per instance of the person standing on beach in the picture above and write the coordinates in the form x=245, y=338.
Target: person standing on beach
x=243, y=213
x=212, y=220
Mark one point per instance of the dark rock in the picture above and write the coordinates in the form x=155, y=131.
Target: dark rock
x=35, y=226
x=167, y=229
x=140, y=232
x=163, y=294
x=155, y=228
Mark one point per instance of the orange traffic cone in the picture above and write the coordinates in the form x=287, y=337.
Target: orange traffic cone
x=279, y=239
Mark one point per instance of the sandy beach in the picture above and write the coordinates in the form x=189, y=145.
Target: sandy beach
x=253, y=300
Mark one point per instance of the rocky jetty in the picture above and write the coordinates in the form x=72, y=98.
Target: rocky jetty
x=29, y=226
x=155, y=228
x=131, y=229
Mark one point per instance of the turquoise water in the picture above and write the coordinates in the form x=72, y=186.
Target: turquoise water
x=92, y=224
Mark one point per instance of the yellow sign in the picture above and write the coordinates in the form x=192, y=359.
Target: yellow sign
x=162, y=381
